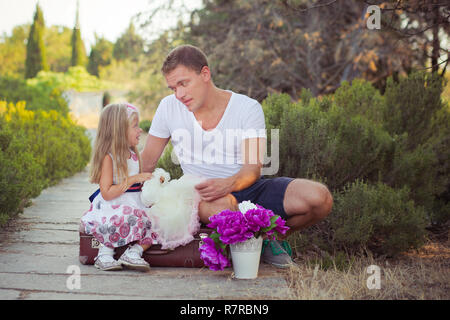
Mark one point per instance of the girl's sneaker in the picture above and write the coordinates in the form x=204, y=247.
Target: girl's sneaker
x=132, y=259
x=107, y=263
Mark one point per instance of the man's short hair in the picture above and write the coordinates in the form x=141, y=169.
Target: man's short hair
x=187, y=55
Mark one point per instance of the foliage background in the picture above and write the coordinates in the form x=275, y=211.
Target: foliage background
x=364, y=111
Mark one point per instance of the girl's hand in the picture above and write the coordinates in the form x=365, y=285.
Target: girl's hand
x=143, y=176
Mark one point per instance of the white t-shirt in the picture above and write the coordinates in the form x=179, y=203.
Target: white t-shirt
x=215, y=153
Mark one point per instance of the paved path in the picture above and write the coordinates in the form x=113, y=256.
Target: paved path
x=39, y=246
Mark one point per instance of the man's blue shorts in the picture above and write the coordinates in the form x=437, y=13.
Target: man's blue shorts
x=267, y=192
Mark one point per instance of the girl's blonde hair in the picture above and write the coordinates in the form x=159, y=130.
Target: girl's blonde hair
x=112, y=138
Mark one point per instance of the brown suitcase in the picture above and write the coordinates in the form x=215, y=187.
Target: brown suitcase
x=186, y=256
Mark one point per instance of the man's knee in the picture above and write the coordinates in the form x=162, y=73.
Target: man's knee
x=327, y=203
x=306, y=196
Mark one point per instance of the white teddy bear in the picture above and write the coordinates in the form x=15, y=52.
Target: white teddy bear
x=173, y=207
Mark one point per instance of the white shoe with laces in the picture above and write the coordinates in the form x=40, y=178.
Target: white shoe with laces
x=106, y=262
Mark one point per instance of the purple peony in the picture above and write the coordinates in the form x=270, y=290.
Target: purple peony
x=258, y=219
x=280, y=227
x=231, y=225
x=213, y=257
x=236, y=226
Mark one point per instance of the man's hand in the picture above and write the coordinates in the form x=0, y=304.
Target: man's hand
x=213, y=189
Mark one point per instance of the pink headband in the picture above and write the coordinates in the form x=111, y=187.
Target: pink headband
x=131, y=109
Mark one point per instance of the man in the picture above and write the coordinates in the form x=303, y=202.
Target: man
x=219, y=135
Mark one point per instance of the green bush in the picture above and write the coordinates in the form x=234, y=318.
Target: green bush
x=38, y=148
x=398, y=143
x=330, y=146
x=412, y=103
x=21, y=175
x=168, y=164
x=361, y=98
x=76, y=78
x=420, y=121
x=145, y=125
x=37, y=98
x=377, y=217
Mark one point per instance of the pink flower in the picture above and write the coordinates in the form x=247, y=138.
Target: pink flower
x=99, y=237
x=231, y=225
x=235, y=226
x=116, y=220
x=109, y=245
x=213, y=257
x=146, y=241
x=115, y=206
x=137, y=213
x=136, y=237
x=114, y=237
x=124, y=230
x=127, y=210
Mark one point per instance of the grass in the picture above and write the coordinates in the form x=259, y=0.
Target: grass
x=414, y=275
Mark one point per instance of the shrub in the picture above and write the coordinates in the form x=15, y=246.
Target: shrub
x=167, y=163
x=412, y=102
x=361, y=98
x=21, y=175
x=377, y=217
x=38, y=148
x=398, y=143
x=329, y=146
x=420, y=120
x=145, y=125
x=37, y=98
x=76, y=78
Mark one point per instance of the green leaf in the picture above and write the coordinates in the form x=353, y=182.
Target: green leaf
x=272, y=223
x=216, y=238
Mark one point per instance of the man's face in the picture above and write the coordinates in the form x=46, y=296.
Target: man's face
x=189, y=86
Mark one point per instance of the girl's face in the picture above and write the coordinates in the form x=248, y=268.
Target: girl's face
x=134, y=132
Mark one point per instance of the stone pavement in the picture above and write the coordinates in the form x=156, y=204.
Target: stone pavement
x=39, y=251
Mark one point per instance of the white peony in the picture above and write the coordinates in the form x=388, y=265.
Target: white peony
x=244, y=206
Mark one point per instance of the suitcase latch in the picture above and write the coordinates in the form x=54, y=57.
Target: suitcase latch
x=202, y=236
x=95, y=244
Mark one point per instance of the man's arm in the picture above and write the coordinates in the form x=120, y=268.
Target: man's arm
x=153, y=149
x=253, y=150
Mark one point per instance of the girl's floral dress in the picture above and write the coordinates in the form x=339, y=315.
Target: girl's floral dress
x=122, y=220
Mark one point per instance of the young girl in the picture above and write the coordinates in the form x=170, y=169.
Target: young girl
x=117, y=215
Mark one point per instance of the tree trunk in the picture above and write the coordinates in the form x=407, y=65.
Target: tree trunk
x=435, y=41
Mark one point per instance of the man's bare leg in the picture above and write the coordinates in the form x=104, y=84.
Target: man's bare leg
x=306, y=203
x=208, y=209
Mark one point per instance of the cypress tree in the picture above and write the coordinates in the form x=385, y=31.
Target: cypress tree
x=36, y=54
x=78, y=50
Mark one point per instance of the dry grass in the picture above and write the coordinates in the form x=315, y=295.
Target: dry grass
x=415, y=275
